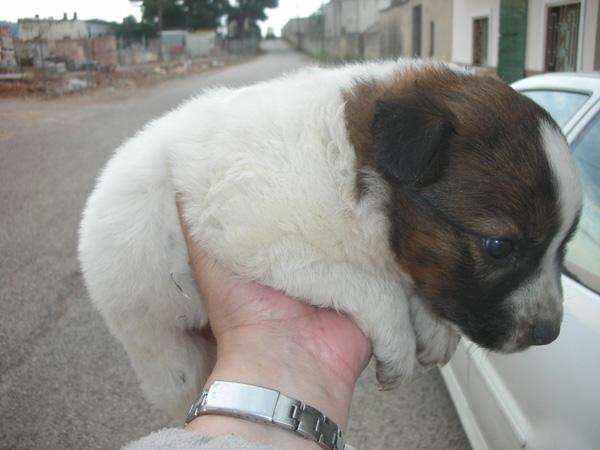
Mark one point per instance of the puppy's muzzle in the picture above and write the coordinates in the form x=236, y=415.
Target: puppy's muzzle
x=543, y=333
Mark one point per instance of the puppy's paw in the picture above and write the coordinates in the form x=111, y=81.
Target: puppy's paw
x=387, y=376
x=436, y=346
x=391, y=373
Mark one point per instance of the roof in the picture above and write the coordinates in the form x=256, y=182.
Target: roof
x=98, y=21
x=573, y=81
x=571, y=74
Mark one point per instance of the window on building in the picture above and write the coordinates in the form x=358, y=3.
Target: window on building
x=431, y=38
x=562, y=36
x=480, y=41
x=416, y=30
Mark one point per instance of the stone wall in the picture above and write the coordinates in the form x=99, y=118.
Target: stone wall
x=104, y=50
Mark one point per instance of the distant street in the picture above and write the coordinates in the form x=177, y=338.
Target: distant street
x=65, y=383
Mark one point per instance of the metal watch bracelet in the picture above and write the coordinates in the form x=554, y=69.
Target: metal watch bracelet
x=262, y=405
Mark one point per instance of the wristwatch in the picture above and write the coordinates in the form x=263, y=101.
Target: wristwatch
x=262, y=405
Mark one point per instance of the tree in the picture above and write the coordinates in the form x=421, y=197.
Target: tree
x=168, y=14
x=183, y=14
x=130, y=30
x=246, y=13
x=204, y=14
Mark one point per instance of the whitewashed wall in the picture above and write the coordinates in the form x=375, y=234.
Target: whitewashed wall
x=51, y=29
x=463, y=13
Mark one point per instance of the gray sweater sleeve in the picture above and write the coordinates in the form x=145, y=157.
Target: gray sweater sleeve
x=180, y=439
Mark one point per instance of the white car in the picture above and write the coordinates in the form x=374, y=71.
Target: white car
x=547, y=397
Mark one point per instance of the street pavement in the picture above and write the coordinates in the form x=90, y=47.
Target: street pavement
x=65, y=383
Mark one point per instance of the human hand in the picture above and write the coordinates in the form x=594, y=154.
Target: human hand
x=269, y=339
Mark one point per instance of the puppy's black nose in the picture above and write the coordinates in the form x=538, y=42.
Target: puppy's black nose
x=543, y=333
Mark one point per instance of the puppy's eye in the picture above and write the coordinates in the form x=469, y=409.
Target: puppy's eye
x=499, y=248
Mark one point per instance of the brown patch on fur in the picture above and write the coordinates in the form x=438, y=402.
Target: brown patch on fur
x=425, y=248
x=359, y=112
x=461, y=92
x=427, y=265
x=362, y=99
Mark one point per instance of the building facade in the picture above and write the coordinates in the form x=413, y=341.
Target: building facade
x=51, y=29
x=512, y=38
x=374, y=29
x=98, y=28
x=74, y=41
x=341, y=17
x=417, y=28
x=201, y=43
x=476, y=22
x=352, y=28
x=7, y=48
x=104, y=50
x=516, y=38
x=563, y=36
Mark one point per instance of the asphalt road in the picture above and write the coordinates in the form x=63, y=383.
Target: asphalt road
x=65, y=383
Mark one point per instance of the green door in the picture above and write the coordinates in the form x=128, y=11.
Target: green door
x=513, y=40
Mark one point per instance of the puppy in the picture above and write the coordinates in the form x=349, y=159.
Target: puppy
x=419, y=198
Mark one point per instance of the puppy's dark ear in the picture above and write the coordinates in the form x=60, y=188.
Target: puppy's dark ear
x=411, y=134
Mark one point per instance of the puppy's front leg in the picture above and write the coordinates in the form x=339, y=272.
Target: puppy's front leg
x=436, y=340
x=378, y=305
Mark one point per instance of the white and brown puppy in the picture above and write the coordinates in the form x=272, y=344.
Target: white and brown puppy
x=417, y=197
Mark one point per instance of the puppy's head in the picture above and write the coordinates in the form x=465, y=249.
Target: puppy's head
x=483, y=198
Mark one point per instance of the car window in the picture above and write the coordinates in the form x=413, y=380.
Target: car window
x=561, y=105
x=583, y=254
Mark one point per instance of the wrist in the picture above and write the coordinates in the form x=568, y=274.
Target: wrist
x=279, y=363
x=255, y=358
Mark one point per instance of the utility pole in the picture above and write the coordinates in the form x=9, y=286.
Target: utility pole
x=89, y=58
x=323, y=28
x=41, y=48
x=160, y=27
x=298, y=36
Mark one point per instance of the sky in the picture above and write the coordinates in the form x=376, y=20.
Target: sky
x=115, y=10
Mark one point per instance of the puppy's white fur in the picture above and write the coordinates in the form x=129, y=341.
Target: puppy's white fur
x=268, y=181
